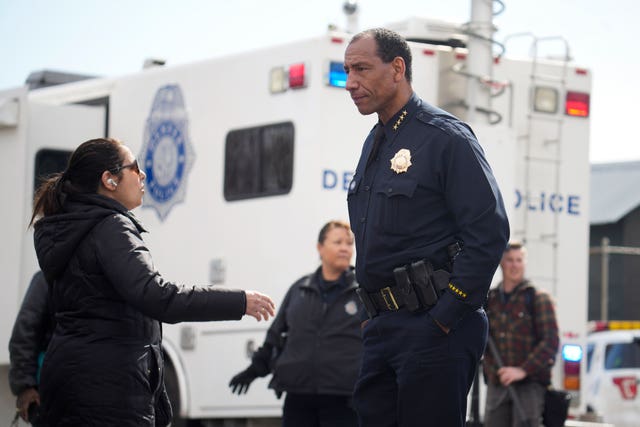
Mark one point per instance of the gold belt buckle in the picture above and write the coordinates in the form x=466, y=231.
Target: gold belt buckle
x=388, y=298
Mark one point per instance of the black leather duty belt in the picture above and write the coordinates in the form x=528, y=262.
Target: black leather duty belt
x=414, y=295
x=392, y=298
x=417, y=286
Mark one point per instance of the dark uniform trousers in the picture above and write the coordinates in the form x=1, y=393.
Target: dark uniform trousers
x=413, y=374
x=318, y=410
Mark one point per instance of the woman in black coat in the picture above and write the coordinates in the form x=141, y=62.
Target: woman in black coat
x=104, y=364
x=29, y=339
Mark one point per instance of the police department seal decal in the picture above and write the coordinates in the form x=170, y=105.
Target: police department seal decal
x=167, y=154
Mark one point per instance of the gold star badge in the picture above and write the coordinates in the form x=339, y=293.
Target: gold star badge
x=401, y=161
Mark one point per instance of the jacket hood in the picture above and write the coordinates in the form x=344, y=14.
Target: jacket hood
x=56, y=237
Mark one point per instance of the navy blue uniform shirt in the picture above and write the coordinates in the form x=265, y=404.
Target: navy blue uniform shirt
x=447, y=194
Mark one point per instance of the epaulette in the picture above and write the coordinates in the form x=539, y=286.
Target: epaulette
x=447, y=124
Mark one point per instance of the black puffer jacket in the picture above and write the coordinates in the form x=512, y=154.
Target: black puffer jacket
x=323, y=345
x=104, y=364
x=30, y=336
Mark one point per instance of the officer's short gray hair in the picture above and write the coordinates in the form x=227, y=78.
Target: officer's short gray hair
x=390, y=46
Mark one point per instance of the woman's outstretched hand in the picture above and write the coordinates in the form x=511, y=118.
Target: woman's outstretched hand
x=259, y=305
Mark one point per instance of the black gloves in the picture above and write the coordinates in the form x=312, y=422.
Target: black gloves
x=241, y=382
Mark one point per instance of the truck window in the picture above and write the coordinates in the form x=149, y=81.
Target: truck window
x=49, y=161
x=622, y=355
x=258, y=161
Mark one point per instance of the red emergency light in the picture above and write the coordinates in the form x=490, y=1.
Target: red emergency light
x=571, y=375
x=297, y=77
x=577, y=104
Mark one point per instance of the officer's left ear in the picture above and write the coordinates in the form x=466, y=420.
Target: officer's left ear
x=398, y=67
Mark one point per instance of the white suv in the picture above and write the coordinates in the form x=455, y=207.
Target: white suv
x=613, y=374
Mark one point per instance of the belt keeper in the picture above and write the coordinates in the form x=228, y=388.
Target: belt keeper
x=369, y=304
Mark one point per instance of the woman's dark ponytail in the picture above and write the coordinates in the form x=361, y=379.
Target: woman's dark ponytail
x=49, y=197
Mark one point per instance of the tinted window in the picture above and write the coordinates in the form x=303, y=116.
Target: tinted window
x=622, y=355
x=258, y=161
x=49, y=162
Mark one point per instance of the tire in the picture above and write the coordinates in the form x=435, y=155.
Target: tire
x=173, y=390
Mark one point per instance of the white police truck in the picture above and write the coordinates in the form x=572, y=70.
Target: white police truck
x=248, y=155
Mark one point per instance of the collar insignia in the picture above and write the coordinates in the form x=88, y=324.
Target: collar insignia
x=400, y=119
x=401, y=161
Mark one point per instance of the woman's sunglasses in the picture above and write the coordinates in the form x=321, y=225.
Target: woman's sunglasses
x=133, y=166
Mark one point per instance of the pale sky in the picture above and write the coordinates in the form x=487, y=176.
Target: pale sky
x=113, y=37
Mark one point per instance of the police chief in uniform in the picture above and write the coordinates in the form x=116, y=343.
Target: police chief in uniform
x=430, y=229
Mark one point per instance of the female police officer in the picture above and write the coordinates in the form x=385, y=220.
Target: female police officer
x=317, y=363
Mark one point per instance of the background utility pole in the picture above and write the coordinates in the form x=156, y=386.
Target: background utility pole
x=480, y=58
x=605, y=250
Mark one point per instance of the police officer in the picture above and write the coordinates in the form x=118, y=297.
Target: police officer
x=430, y=229
x=314, y=345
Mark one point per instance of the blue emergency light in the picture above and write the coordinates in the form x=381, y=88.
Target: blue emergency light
x=337, y=75
x=572, y=352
